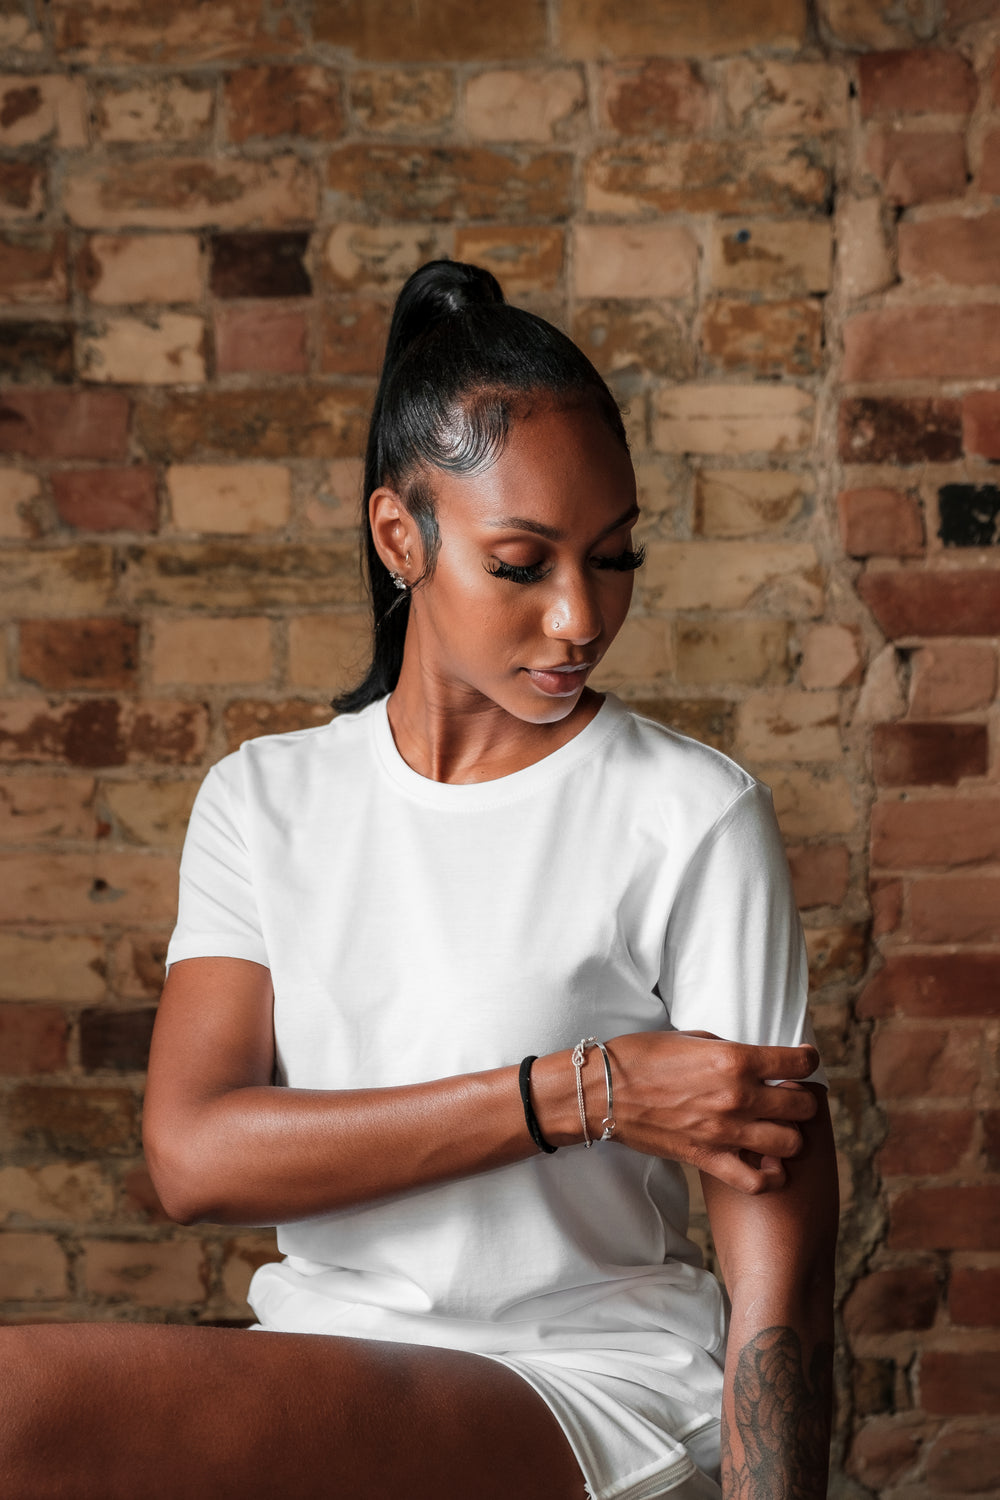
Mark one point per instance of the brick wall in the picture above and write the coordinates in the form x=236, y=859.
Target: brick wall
x=776, y=227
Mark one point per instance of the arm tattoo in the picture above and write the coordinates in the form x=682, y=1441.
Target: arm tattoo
x=782, y=1421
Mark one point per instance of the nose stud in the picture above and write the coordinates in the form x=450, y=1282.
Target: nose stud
x=556, y=624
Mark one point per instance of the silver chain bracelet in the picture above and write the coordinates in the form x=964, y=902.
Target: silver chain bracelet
x=579, y=1055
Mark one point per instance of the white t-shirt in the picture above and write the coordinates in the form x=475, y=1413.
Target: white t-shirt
x=632, y=880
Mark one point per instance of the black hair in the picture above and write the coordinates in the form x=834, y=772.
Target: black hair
x=460, y=365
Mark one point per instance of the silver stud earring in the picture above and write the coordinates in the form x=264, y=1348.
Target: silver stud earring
x=399, y=581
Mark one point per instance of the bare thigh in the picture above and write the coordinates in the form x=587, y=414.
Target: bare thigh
x=112, y=1412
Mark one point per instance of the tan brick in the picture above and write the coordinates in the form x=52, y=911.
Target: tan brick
x=336, y=505
x=831, y=657
x=140, y=965
x=211, y=651
x=19, y=492
x=150, y=812
x=642, y=652
x=241, y=1258
x=56, y=1192
x=595, y=28
x=32, y=1267
x=617, y=260
x=281, y=100
x=738, y=650
x=42, y=968
x=378, y=256
x=835, y=953
x=391, y=101
x=328, y=652
x=705, y=176
x=32, y=267
x=858, y=23
x=540, y=104
x=733, y=575
x=234, y=498
x=660, y=483
x=820, y=874
x=952, y=677
x=167, y=349
x=104, y=31
x=187, y=194
x=147, y=1273
x=117, y=268
x=34, y=808
x=158, y=109
x=98, y=888
x=767, y=338
x=448, y=31
x=864, y=261
x=103, y=731
x=63, y=580
x=17, y=34
x=634, y=337
x=528, y=259
x=247, y=718
x=243, y=575
x=760, y=255
x=810, y=803
x=659, y=96
x=40, y=106
x=746, y=502
x=732, y=419
x=786, y=724
x=767, y=97
x=290, y=421
x=448, y=183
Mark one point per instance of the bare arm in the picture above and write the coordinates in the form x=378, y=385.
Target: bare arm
x=777, y=1258
x=224, y=1144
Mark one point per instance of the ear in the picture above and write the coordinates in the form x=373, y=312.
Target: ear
x=397, y=540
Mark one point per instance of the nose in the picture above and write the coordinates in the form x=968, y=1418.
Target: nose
x=574, y=614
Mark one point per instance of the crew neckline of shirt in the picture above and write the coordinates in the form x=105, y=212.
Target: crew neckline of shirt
x=479, y=794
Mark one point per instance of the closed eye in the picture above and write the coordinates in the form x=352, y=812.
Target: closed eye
x=620, y=562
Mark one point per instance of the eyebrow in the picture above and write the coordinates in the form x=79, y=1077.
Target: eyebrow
x=552, y=534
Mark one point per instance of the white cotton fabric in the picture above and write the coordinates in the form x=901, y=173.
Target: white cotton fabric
x=632, y=880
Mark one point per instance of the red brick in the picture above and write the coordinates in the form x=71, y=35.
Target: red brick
x=139, y=1198
x=887, y=906
x=942, y=831
x=283, y=101
x=106, y=499
x=991, y=1139
x=919, y=82
x=909, y=1062
x=938, y=343
x=32, y=1039
x=65, y=1119
x=79, y=653
x=881, y=1452
x=981, y=423
x=447, y=31
x=989, y=173
x=924, y=1144
x=116, y=1039
x=32, y=267
x=959, y=602
x=953, y=1385
x=945, y=1218
x=966, y=1462
x=455, y=182
x=598, y=28
x=103, y=732
x=260, y=340
x=974, y=1297
x=952, y=678
x=354, y=334
x=959, y=250
x=268, y=264
x=301, y=421
x=904, y=430
x=956, y=910
x=881, y=522
x=143, y=30
x=953, y=984
x=35, y=350
x=918, y=166
x=929, y=754
x=64, y=424
x=820, y=874
x=23, y=190
x=892, y=1302
x=659, y=96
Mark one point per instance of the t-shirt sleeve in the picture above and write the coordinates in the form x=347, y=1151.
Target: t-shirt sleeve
x=734, y=960
x=216, y=909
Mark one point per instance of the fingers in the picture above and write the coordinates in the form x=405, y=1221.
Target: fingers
x=743, y=1175
x=787, y=1062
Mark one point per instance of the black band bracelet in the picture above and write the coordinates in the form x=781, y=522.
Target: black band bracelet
x=524, y=1084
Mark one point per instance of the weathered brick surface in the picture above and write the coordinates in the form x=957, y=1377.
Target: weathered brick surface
x=771, y=225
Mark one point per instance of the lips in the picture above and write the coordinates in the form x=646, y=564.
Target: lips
x=561, y=681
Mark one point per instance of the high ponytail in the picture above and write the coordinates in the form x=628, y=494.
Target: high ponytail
x=459, y=360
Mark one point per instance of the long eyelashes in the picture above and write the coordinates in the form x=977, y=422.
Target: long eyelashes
x=621, y=562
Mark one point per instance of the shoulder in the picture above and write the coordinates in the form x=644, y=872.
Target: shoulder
x=273, y=761
x=670, y=769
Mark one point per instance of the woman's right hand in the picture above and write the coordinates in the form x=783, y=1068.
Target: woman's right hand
x=693, y=1097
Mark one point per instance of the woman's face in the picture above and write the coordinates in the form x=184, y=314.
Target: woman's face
x=534, y=575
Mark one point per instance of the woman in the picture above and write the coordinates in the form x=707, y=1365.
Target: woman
x=441, y=1004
